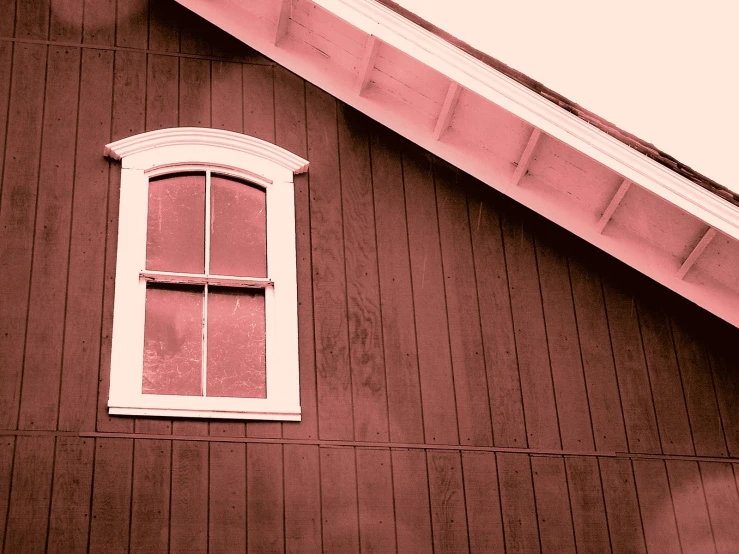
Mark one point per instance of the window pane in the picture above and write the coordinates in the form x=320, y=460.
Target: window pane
x=175, y=233
x=238, y=229
x=173, y=342
x=236, y=338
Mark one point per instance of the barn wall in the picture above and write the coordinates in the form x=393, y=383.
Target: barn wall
x=471, y=376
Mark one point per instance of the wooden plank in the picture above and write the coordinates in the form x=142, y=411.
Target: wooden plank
x=132, y=23
x=723, y=504
x=32, y=20
x=99, y=22
x=66, y=21
x=396, y=298
x=586, y=502
x=655, y=504
x=194, y=93
x=302, y=499
x=664, y=376
x=622, y=507
x=531, y=339
x=552, y=504
x=81, y=361
x=129, y=93
x=265, y=502
x=568, y=376
x=161, y=92
x=517, y=503
x=290, y=133
x=30, y=494
x=446, y=493
x=429, y=304
x=227, y=510
x=150, y=496
x=6, y=59
x=375, y=501
x=696, y=252
x=69, y=519
x=504, y=385
x=691, y=513
x=227, y=96
x=411, y=497
x=447, y=109
x=188, y=526
x=463, y=317
x=283, y=19
x=597, y=356
x=7, y=453
x=17, y=214
x=7, y=24
x=339, y=500
x=612, y=205
x=371, y=49
x=259, y=102
x=525, y=159
x=700, y=396
x=329, y=279
x=164, y=30
x=631, y=367
x=111, y=496
x=46, y=310
x=482, y=499
x=195, y=34
x=726, y=381
x=366, y=360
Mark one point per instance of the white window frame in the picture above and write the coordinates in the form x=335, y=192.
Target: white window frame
x=187, y=149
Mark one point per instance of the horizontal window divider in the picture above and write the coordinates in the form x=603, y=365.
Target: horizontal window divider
x=201, y=279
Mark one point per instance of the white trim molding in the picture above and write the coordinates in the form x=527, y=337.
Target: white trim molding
x=207, y=151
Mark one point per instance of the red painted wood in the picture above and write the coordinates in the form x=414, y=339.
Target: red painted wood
x=517, y=503
x=375, y=501
x=504, y=384
x=396, y=298
x=432, y=334
x=30, y=495
x=446, y=493
x=227, y=104
x=333, y=375
x=195, y=34
x=691, y=513
x=339, y=500
x=32, y=19
x=132, y=23
x=6, y=58
x=161, y=92
x=265, y=503
x=720, y=488
x=463, y=318
x=552, y=504
x=482, y=499
x=411, y=499
x=369, y=390
x=99, y=23
x=260, y=103
x=65, y=23
x=7, y=452
x=69, y=519
x=188, y=527
x=111, y=496
x=7, y=24
x=194, y=93
x=302, y=499
x=17, y=211
x=622, y=507
x=586, y=502
x=47, y=301
x=726, y=380
x=227, y=508
x=81, y=359
x=655, y=503
x=164, y=31
x=150, y=496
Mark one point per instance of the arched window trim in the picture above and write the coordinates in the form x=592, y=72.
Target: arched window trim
x=171, y=151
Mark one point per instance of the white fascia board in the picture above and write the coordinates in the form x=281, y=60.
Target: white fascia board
x=415, y=41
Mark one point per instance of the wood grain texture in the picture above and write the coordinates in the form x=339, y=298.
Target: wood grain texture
x=586, y=502
x=339, y=500
x=463, y=318
x=65, y=24
x=366, y=360
x=720, y=488
x=375, y=501
x=194, y=92
x=188, y=527
x=411, y=498
x=691, y=513
x=99, y=22
x=32, y=19
x=132, y=23
x=302, y=499
x=552, y=504
x=265, y=502
x=150, y=496
x=7, y=453
x=725, y=373
x=227, y=498
x=482, y=500
x=517, y=503
x=655, y=504
x=622, y=506
x=446, y=494
x=7, y=24
x=260, y=103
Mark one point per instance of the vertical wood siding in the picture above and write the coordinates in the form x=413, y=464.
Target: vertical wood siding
x=473, y=379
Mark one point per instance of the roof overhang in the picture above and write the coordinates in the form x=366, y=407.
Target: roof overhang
x=503, y=133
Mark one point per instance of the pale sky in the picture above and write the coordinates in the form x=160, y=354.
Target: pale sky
x=664, y=70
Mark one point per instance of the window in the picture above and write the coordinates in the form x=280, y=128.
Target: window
x=205, y=312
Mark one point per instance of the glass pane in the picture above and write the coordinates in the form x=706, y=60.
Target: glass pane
x=173, y=342
x=236, y=339
x=175, y=233
x=238, y=229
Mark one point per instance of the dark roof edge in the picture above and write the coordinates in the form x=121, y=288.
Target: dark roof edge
x=625, y=137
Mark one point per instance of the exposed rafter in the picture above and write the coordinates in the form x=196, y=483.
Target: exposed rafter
x=612, y=205
x=286, y=9
x=447, y=109
x=528, y=152
x=697, y=251
x=371, y=50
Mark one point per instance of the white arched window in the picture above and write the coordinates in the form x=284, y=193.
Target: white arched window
x=205, y=313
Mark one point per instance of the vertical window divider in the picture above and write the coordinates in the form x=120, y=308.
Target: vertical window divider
x=204, y=379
